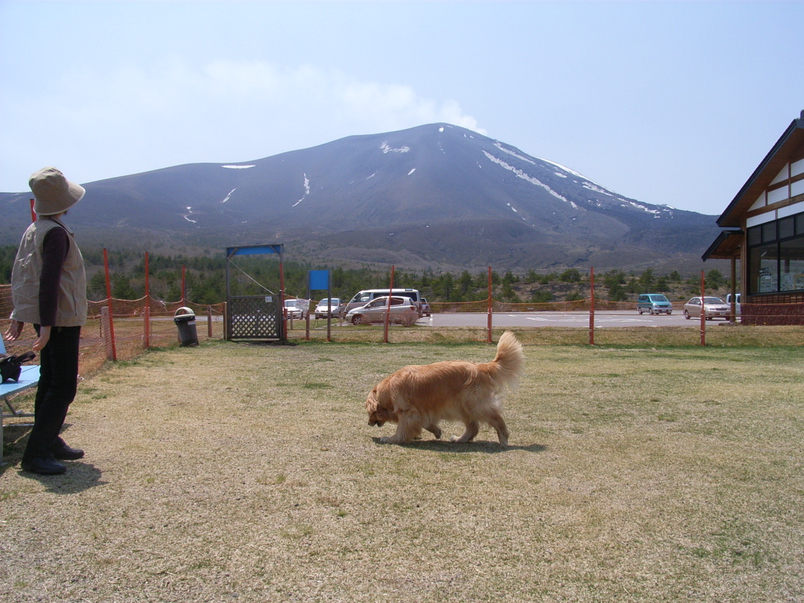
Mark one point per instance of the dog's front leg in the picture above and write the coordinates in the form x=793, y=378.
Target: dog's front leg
x=408, y=428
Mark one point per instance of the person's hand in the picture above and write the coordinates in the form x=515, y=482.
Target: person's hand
x=44, y=337
x=13, y=331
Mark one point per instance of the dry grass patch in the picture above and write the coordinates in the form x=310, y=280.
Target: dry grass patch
x=246, y=472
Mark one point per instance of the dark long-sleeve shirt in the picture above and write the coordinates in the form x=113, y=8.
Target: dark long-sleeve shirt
x=54, y=251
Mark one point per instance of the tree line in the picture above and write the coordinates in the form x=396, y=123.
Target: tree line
x=205, y=280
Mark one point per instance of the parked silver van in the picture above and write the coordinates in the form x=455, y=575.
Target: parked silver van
x=367, y=295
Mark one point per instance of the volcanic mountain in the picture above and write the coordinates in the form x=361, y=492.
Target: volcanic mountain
x=432, y=196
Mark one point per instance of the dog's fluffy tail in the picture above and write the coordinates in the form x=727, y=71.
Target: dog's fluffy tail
x=509, y=361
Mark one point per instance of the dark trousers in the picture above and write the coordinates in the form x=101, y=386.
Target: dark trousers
x=58, y=381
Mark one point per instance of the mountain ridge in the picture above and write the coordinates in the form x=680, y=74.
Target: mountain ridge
x=434, y=195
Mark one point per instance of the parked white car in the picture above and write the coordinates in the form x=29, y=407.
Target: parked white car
x=297, y=308
x=713, y=307
x=328, y=307
x=737, y=308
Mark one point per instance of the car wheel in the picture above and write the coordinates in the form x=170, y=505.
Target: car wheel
x=357, y=319
x=640, y=311
x=686, y=314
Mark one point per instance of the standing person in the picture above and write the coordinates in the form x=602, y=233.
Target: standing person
x=48, y=290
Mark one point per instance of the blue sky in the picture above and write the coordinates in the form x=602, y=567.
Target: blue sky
x=666, y=102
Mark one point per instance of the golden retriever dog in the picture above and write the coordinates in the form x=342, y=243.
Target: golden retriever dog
x=419, y=397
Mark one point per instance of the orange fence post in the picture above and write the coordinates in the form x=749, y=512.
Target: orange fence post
x=592, y=307
x=490, y=312
x=703, y=309
x=388, y=305
x=184, y=285
x=146, y=315
x=282, y=300
x=109, y=303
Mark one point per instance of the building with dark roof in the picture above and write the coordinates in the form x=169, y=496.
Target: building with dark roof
x=763, y=230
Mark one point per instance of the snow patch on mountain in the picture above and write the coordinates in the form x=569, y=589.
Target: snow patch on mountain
x=306, y=191
x=656, y=212
x=411, y=171
x=499, y=145
x=229, y=196
x=595, y=188
x=565, y=169
x=388, y=149
x=528, y=178
x=237, y=167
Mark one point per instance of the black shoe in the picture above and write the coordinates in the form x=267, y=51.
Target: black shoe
x=63, y=452
x=43, y=466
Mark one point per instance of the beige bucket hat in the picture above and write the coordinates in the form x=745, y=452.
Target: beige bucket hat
x=53, y=192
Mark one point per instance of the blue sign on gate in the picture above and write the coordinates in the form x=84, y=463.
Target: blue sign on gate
x=319, y=280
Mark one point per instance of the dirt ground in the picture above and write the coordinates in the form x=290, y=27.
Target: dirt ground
x=237, y=472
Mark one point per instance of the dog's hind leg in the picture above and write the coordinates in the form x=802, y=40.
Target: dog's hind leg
x=472, y=427
x=435, y=430
x=496, y=421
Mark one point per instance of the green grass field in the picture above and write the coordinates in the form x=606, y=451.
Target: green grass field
x=241, y=472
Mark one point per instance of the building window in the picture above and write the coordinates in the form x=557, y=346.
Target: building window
x=791, y=254
x=763, y=265
x=776, y=256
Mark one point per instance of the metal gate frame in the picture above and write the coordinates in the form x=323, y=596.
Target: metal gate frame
x=264, y=319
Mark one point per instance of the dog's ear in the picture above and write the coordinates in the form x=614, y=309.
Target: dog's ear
x=371, y=401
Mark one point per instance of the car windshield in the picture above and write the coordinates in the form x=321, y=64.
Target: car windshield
x=659, y=298
x=713, y=300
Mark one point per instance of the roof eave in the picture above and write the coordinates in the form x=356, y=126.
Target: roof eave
x=792, y=137
x=719, y=250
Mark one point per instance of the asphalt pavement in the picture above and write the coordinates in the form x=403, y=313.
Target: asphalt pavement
x=603, y=319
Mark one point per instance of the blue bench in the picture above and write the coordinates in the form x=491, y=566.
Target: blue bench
x=29, y=378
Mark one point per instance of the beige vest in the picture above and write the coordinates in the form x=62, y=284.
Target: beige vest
x=27, y=270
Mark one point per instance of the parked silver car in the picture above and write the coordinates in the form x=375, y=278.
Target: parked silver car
x=328, y=307
x=297, y=308
x=425, y=308
x=403, y=311
x=713, y=307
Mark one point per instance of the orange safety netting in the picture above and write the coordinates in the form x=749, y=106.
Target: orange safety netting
x=136, y=324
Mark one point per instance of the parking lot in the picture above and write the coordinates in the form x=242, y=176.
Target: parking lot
x=603, y=319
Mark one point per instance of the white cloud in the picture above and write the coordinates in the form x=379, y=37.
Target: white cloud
x=138, y=118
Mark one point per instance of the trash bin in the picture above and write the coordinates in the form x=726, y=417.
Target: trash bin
x=185, y=321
